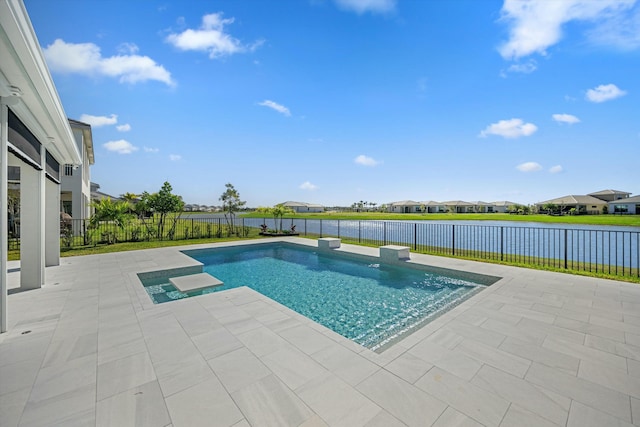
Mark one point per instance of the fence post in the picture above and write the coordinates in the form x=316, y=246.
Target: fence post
x=320, y=228
x=565, y=248
x=502, y=243
x=453, y=239
x=305, y=226
x=359, y=229
x=384, y=234
x=338, y=228
x=415, y=236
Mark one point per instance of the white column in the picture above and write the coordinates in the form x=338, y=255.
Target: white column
x=52, y=223
x=4, y=229
x=32, y=226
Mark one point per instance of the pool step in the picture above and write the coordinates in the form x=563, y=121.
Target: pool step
x=194, y=282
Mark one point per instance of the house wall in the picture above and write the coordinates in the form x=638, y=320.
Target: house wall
x=630, y=207
x=77, y=182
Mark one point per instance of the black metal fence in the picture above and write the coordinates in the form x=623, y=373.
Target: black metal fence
x=611, y=252
x=607, y=251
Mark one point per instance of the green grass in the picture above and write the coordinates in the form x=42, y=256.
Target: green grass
x=621, y=220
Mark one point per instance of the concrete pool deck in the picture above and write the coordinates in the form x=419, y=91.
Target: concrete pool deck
x=536, y=348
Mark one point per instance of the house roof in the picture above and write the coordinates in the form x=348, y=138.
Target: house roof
x=574, y=200
x=301, y=204
x=432, y=203
x=634, y=199
x=24, y=75
x=405, y=203
x=481, y=203
x=457, y=203
x=87, y=136
x=606, y=192
x=503, y=203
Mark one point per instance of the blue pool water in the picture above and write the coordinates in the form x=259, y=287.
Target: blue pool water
x=369, y=303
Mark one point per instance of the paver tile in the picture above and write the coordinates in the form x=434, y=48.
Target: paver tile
x=635, y=410
x=453, y=361
x=452, y=418
x=523, y=393
x=269, y=402
x=542, y=355
x=584, y=352
x=586, y=392
x=409, y=367
x=205, y=404
x=519, y=417
x=139, y=406
x=497, y=358
x=122, y=374
x=349, y=366
x=473, y=401
x=404, y=401
x=336, y=402
x=615, y=379
x=293, y=367
x=586, y=416
x=238, y=369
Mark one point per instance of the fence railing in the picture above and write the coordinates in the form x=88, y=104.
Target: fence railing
x=611, y=252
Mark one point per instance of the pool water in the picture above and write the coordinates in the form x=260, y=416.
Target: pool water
x=369, y=303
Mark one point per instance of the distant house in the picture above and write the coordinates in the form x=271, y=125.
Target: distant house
x=482, y=207
x=627, y=205
x=610, y=195
x=97, y=195
x=302, y=207
x=458, y=206
x=433, y=207
x=75, y=183
x=502, y=206
x=404, y=206
x=582, y=204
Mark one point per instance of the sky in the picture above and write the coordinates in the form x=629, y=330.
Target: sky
x=339, y=101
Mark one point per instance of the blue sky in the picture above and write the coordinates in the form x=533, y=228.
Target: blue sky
x=337, y=101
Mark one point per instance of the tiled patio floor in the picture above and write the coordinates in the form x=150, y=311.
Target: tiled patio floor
x=534, y=349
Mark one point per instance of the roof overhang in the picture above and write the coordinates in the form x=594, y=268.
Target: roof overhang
x=24, y=72
x=87, y=137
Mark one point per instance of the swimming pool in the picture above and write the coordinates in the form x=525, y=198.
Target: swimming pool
x=366, y=301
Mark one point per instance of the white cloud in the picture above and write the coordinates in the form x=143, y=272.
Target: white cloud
x=555, y=169
x=85, y=58
x=120, y=146
x=535, y=25
x=97, y=121
x=529, y=167
x=621, y=30
x=604, y=93
x=128, y=48
x=524, y=68
x=124, y=128
x=513, y=128
x=175, y=157
x=275, y=106
x=150, y=150
x=565, y=118
x=308, y=186
x=211, y=38
x=362, y=6
x=366, y=160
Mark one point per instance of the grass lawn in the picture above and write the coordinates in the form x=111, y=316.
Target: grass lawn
x=622, y=220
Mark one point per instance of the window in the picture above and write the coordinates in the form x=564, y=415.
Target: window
x=68, y=170
x=621, y=208
x=66, y=206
